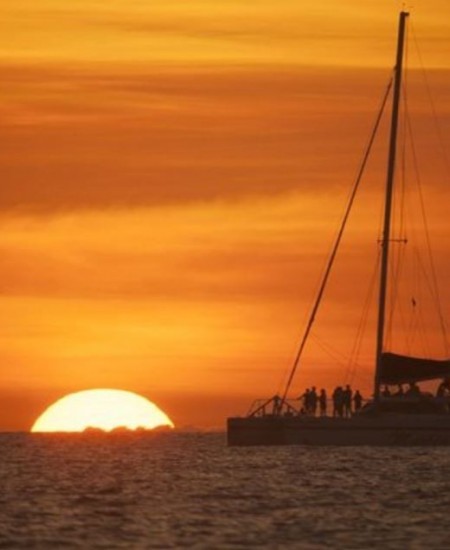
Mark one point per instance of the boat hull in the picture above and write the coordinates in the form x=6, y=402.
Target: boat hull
x=382, y=431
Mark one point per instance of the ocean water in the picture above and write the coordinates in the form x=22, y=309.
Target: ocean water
x=172, y=490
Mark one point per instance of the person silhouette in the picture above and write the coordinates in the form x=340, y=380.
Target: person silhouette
x=276, y=405
x=305, y=398
x=313, y=401
x=357, y=400
x=347, y=401
x=323, y=402
x=338, y=402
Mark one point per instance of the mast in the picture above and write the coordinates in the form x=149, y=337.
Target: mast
x=388, y=202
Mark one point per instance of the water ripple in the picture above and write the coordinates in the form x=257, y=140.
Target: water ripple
x=173, y=490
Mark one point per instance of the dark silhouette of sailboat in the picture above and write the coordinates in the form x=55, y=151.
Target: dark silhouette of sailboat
x=413, y=419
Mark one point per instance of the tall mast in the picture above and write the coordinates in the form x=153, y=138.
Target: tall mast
x=388, y=204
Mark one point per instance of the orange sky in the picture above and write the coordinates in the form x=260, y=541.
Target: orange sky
x=172, y=176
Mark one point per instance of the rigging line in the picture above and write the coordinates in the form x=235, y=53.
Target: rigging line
x=338, y=357
x=399, y=210
x=401, y=228
x=333, y=352
x=338, y=239
x=417, y=333
x=432, y=292
x=395, y=305
x=424, y=337
x=411, y=335
x=432, y=105
x=416, y=299
x=363, y=378
x=395, y=272
x=435, y=293
x=393, y=299
x=363, y=320
x=447, y=167
x=400, y=314
x=356, y=374
x=353, y=361
x=401, y=214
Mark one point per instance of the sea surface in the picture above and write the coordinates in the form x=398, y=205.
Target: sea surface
x=174, y=490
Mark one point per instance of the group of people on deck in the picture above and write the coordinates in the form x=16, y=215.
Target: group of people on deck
x=413, y=390
x=345, y=402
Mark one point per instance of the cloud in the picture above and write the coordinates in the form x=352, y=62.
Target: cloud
x=214, y=251
x=76, y=139
x=329, y=33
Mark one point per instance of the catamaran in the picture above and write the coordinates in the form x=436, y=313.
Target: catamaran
x=417, y=418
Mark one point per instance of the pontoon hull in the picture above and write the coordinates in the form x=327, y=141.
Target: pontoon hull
x=383, y=430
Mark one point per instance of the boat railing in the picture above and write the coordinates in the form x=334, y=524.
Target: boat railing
x=275, y=406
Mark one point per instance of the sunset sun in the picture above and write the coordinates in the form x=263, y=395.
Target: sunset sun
x=103, y=409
